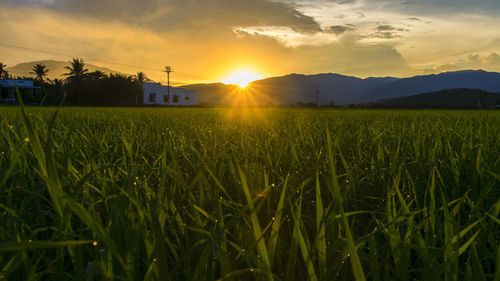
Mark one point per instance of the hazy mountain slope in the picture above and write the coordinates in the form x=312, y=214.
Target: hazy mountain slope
x=341, y=89
x=288, y=90
x=331, y=87
x=56, y=68
x=454, y=98
x=346, y=89
x=472, y=79
x=294, y=88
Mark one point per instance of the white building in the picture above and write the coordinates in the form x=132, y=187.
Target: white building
x=155, y=93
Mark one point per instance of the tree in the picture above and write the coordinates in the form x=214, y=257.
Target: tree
x=77, y=72
x=40, y=71
x=3, y=73
x=97, y=75
x=140, y=77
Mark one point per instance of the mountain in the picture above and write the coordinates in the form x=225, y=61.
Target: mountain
x=472, y=79
x=340, y=89
x=288, y=90
x=336, y=88
x=56, y=68
x=299, y=88
x=453, y=98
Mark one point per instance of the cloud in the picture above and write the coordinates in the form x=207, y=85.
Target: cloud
x=166, y=15
x=385, y=27
x=384, y=35
x=489, y=62
x=357, y=59
x=415, y=19
x=270, y=36
x=494, y=58
x=417, y=3
x=342, y=1
x=194, y=56
x=447, y=7
x=384, y=31
x=440, y=69
x=339, y=29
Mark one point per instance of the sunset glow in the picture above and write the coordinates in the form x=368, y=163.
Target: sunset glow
x=204, y=41
x=242, y=78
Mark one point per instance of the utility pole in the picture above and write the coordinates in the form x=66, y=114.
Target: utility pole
x=317, y=94
x=168, y=69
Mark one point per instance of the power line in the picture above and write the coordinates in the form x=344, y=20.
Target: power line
x=95, y=60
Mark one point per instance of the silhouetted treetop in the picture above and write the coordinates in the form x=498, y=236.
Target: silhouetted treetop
x=77, y=69
x=3, y=73
x=40, y=71
x=140, y=77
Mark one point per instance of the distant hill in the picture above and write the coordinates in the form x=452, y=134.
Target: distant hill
x=299, y=88
x=290, y=89
x=336, y=88
x=471, y=79
x=446, y=99
x=56, y=68
x=340, y=89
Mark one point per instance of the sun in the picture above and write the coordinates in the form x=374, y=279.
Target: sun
x=242, y=78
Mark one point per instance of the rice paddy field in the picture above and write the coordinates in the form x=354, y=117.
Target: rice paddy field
x=249, y=194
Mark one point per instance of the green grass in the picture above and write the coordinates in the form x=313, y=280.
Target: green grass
x=248, y=194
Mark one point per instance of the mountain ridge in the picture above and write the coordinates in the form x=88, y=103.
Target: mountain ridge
x=295, y=88
x=55, y=67
x=341, y=89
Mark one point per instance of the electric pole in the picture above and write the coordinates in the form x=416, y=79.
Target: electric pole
x=168, y=69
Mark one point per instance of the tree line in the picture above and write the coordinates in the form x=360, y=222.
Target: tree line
x=82, y=87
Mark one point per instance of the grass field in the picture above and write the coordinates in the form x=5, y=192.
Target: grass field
x=249, y=194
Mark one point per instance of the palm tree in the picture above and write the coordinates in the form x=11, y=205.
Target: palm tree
x=3, y=72
x=40, y=71
x=140, y=77
x=77, y=70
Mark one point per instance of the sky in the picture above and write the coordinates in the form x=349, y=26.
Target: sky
x=207, y=40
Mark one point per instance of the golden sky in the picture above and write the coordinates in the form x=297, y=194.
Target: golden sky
x=207, y=40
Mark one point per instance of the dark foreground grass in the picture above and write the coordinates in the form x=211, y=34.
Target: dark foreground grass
x=247, y=194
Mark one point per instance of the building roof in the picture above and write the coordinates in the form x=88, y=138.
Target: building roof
x=13, y=83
